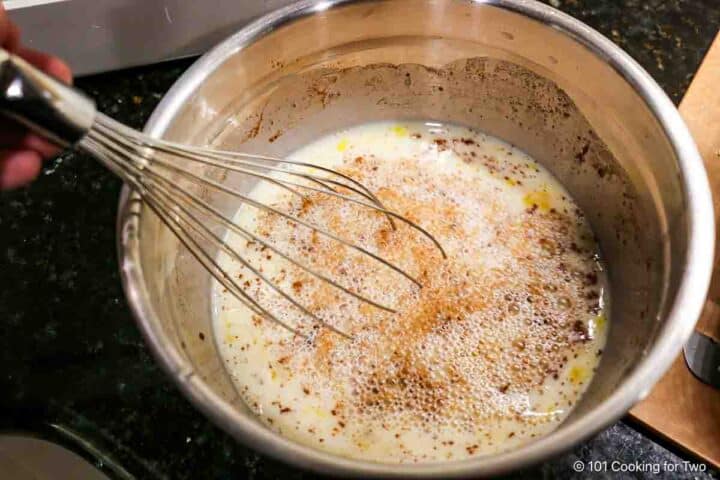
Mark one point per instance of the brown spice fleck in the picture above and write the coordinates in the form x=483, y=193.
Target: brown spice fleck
x=441, y=143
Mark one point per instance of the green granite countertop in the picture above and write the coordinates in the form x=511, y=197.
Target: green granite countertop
x=74, y=366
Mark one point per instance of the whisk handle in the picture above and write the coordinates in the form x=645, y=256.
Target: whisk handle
x=56, y=111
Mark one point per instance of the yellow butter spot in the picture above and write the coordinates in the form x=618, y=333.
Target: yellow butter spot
x=318, y=412
x=400, y=131
x=362, y=444
x=577, y=375
x=600, y=321
x=510, y=182
x=540, y=198
x=273, y=374
x=342, y=145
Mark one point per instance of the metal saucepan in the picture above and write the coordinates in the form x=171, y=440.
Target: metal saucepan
x=513, y=68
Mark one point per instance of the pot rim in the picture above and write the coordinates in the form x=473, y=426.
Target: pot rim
x=686, y=306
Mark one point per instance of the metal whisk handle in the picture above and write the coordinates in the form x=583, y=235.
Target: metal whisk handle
x=45, y=105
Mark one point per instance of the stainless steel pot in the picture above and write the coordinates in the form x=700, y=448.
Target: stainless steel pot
x=514, y=68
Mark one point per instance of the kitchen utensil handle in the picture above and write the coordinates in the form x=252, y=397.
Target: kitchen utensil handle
x=56, y=111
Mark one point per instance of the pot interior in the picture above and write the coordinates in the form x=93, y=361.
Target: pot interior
x=477, y=65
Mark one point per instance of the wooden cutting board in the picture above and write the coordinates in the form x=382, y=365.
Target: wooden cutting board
x=681, y=408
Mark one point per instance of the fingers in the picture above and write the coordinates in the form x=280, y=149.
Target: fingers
x=18, y=167
x=13, y=136
x=10, y=40
x=47, y=63
x=9, y=33
x=39, y=144
x=21, y=152
x=21, y=155
x=4, y=24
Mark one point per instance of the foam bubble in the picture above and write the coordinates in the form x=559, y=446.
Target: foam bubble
x=477, y=360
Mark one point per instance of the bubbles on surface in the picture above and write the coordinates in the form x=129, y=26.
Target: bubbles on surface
x=493, y=350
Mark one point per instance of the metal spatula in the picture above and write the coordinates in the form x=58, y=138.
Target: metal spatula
x=702, y=355
x=702, y=351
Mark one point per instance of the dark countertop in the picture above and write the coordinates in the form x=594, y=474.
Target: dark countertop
x=74, y=366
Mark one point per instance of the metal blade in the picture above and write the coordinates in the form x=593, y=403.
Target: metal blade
x=702, y=355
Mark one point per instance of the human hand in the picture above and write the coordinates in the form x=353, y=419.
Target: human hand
x=21, y=152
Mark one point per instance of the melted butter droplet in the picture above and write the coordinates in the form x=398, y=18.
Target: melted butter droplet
x=577, y=375
x=400, y=131
x=539, y=199
x=600, y=321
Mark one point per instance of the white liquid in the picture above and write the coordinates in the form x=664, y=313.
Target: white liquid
x=495, y=349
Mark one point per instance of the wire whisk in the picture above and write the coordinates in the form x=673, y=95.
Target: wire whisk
x=152, y=166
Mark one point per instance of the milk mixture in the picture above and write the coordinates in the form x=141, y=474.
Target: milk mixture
x=494, y=350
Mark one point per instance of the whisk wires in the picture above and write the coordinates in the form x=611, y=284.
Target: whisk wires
x=150, y=166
